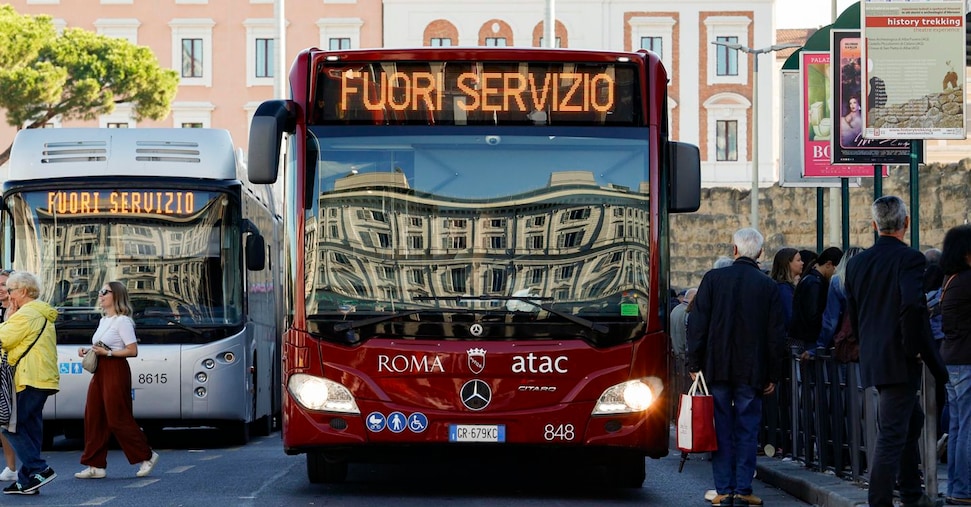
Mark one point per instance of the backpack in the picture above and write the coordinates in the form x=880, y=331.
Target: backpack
x=846, y=346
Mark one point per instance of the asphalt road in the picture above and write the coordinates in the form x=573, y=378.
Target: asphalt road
x=197, y=468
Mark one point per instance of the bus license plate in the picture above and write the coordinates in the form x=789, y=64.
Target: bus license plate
x=476, y=432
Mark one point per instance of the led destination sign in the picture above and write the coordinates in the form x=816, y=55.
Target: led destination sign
x=120, y=202
x=477, y=93
x=490, y=91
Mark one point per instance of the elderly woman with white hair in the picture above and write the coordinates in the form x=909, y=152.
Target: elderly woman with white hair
x=30, y=341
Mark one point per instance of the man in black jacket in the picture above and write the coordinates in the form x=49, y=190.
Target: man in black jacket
x=736, y=336
x=888, y=310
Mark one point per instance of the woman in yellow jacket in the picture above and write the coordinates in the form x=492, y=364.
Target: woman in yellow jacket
x=29, y=338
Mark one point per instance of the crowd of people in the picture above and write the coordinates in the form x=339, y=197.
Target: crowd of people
x=28, y=342
x=906, y=309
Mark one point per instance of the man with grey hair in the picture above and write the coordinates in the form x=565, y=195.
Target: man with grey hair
x=888, y=310
x=736, y=336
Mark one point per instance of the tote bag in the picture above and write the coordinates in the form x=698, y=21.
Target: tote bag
x=696, y=419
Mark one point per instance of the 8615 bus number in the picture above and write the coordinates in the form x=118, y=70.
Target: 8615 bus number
x=152, y=378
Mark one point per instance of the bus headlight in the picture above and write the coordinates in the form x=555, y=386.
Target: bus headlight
x=629, y=397
x=316, y=393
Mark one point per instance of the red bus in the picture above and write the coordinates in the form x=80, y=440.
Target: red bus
x=477, y=245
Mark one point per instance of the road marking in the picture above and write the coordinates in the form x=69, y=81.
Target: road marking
x=101, y=500
x=210, y=458
x=141, y=483
x=179, y=470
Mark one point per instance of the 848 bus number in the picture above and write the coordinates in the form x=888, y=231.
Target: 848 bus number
x=559, y=432
x=152, y=378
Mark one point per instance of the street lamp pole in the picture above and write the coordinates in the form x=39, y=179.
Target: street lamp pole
x=755, y=114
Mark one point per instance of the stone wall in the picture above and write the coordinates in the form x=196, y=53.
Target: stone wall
x=788, y=217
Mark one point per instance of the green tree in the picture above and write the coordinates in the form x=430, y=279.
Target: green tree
x=74, y=75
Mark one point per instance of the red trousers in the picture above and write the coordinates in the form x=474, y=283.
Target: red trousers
x=108, y=411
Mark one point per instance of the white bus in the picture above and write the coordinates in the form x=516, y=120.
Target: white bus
x=165, y=212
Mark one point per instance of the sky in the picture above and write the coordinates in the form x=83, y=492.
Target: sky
x=807, y=13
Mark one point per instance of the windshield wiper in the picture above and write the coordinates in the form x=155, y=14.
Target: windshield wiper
x=357, y=324
x=167, y=317
x=532, y=300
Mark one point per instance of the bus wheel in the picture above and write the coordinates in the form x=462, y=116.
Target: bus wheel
x=324, y=469
x=263, y=426
x=239, y=432
x=628, y=471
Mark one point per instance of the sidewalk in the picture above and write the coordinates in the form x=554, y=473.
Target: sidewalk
x=816, y=488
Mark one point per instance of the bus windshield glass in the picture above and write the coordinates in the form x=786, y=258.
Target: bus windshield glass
x=504, y=220
x=172, y=246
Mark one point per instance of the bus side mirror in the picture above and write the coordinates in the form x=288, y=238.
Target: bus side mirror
x=685, y=181
x=272, y=119
x=255, y=252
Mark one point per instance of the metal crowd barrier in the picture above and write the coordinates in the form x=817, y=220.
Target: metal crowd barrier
x=822, y=417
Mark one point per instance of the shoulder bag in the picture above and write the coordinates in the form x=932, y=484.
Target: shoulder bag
x=90, y=361
x=6, y=381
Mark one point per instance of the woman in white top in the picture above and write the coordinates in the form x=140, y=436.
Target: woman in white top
x=108, y=409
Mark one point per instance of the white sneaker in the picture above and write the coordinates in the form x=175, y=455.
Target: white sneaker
x=8, y=474
x=147, y=466
x=91, y=473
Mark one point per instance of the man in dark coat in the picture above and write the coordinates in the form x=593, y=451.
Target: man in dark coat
x=736, y=336
x=888, y=310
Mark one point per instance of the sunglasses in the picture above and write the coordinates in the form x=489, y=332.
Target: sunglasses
x=104, y=292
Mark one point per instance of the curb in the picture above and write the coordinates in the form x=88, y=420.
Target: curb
x=812, y=487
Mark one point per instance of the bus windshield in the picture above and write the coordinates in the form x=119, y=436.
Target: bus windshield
x=504, y=220
x=171, y=247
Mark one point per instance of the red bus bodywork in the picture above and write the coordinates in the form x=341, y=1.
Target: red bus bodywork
x=542, y=392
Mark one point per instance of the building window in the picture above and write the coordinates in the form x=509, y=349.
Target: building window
x=726, y=140
x=192, y=114
x=339, y=43
x=416, y=276
x=458, y=276
x=571, y=239
x=192, y=58
x=497, y=242
x=117, y=125
x=495, y=41
x=416, y=242
x=534, y=242
x=452, y=242
x=727, y=59
x=542, y=43
x=348, y=29
x=497, y=282
x=192, y=47
x=654, y=44
x=440, y=42
x=536, y=276
x=264, y=57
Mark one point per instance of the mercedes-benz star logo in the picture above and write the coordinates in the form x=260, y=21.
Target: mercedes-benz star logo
x=476, y=394
x=476, y=329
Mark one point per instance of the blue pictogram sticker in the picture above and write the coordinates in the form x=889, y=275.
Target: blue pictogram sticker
x=397, y=422
x=376, y=421
x=72, y=368
x=417, y=422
